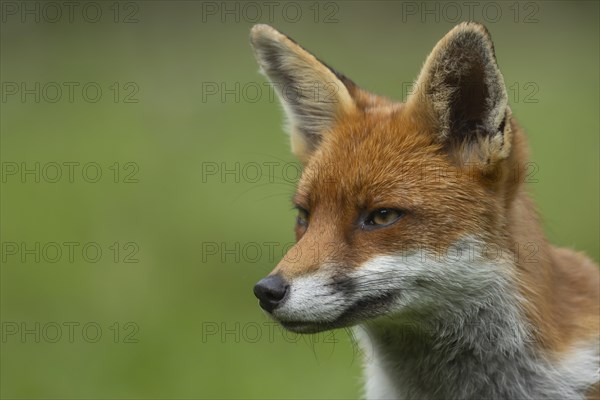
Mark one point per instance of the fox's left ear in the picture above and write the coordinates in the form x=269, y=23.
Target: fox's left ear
x=313, y=95
x=460, y=92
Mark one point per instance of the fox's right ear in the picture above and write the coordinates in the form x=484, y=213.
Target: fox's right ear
x=312, y=95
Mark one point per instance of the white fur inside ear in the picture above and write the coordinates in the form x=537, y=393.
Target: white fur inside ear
x=463, y=88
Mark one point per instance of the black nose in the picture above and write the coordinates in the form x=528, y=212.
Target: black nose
x=270, y=291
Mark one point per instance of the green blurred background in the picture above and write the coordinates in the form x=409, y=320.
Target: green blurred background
x=182, y=321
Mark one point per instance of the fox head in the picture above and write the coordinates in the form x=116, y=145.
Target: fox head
x=397, y=202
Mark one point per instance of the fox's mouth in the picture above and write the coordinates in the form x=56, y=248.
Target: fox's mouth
x=305, y=326
x=312, y=304
x=360, y=311
x=308, y=327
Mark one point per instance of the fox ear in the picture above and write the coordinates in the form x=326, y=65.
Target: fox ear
x=312, y=95
x=461, y=92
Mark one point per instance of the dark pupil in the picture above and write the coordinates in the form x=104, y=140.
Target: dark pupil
x=301, y=218
x=383, y=213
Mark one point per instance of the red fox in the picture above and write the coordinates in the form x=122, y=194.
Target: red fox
x=415, y=227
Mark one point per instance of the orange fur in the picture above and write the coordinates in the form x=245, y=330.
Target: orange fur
x=381, y=154
x=444, y=203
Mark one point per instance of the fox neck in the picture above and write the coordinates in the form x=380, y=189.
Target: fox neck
x=480, y=347
x=477, y=359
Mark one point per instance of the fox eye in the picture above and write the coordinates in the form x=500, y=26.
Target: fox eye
x=302, y=218
x=382, y=217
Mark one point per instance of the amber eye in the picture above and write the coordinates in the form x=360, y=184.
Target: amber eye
x=382, y=217
x=302, y=218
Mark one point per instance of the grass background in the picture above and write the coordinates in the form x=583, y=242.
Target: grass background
x=199, y=331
